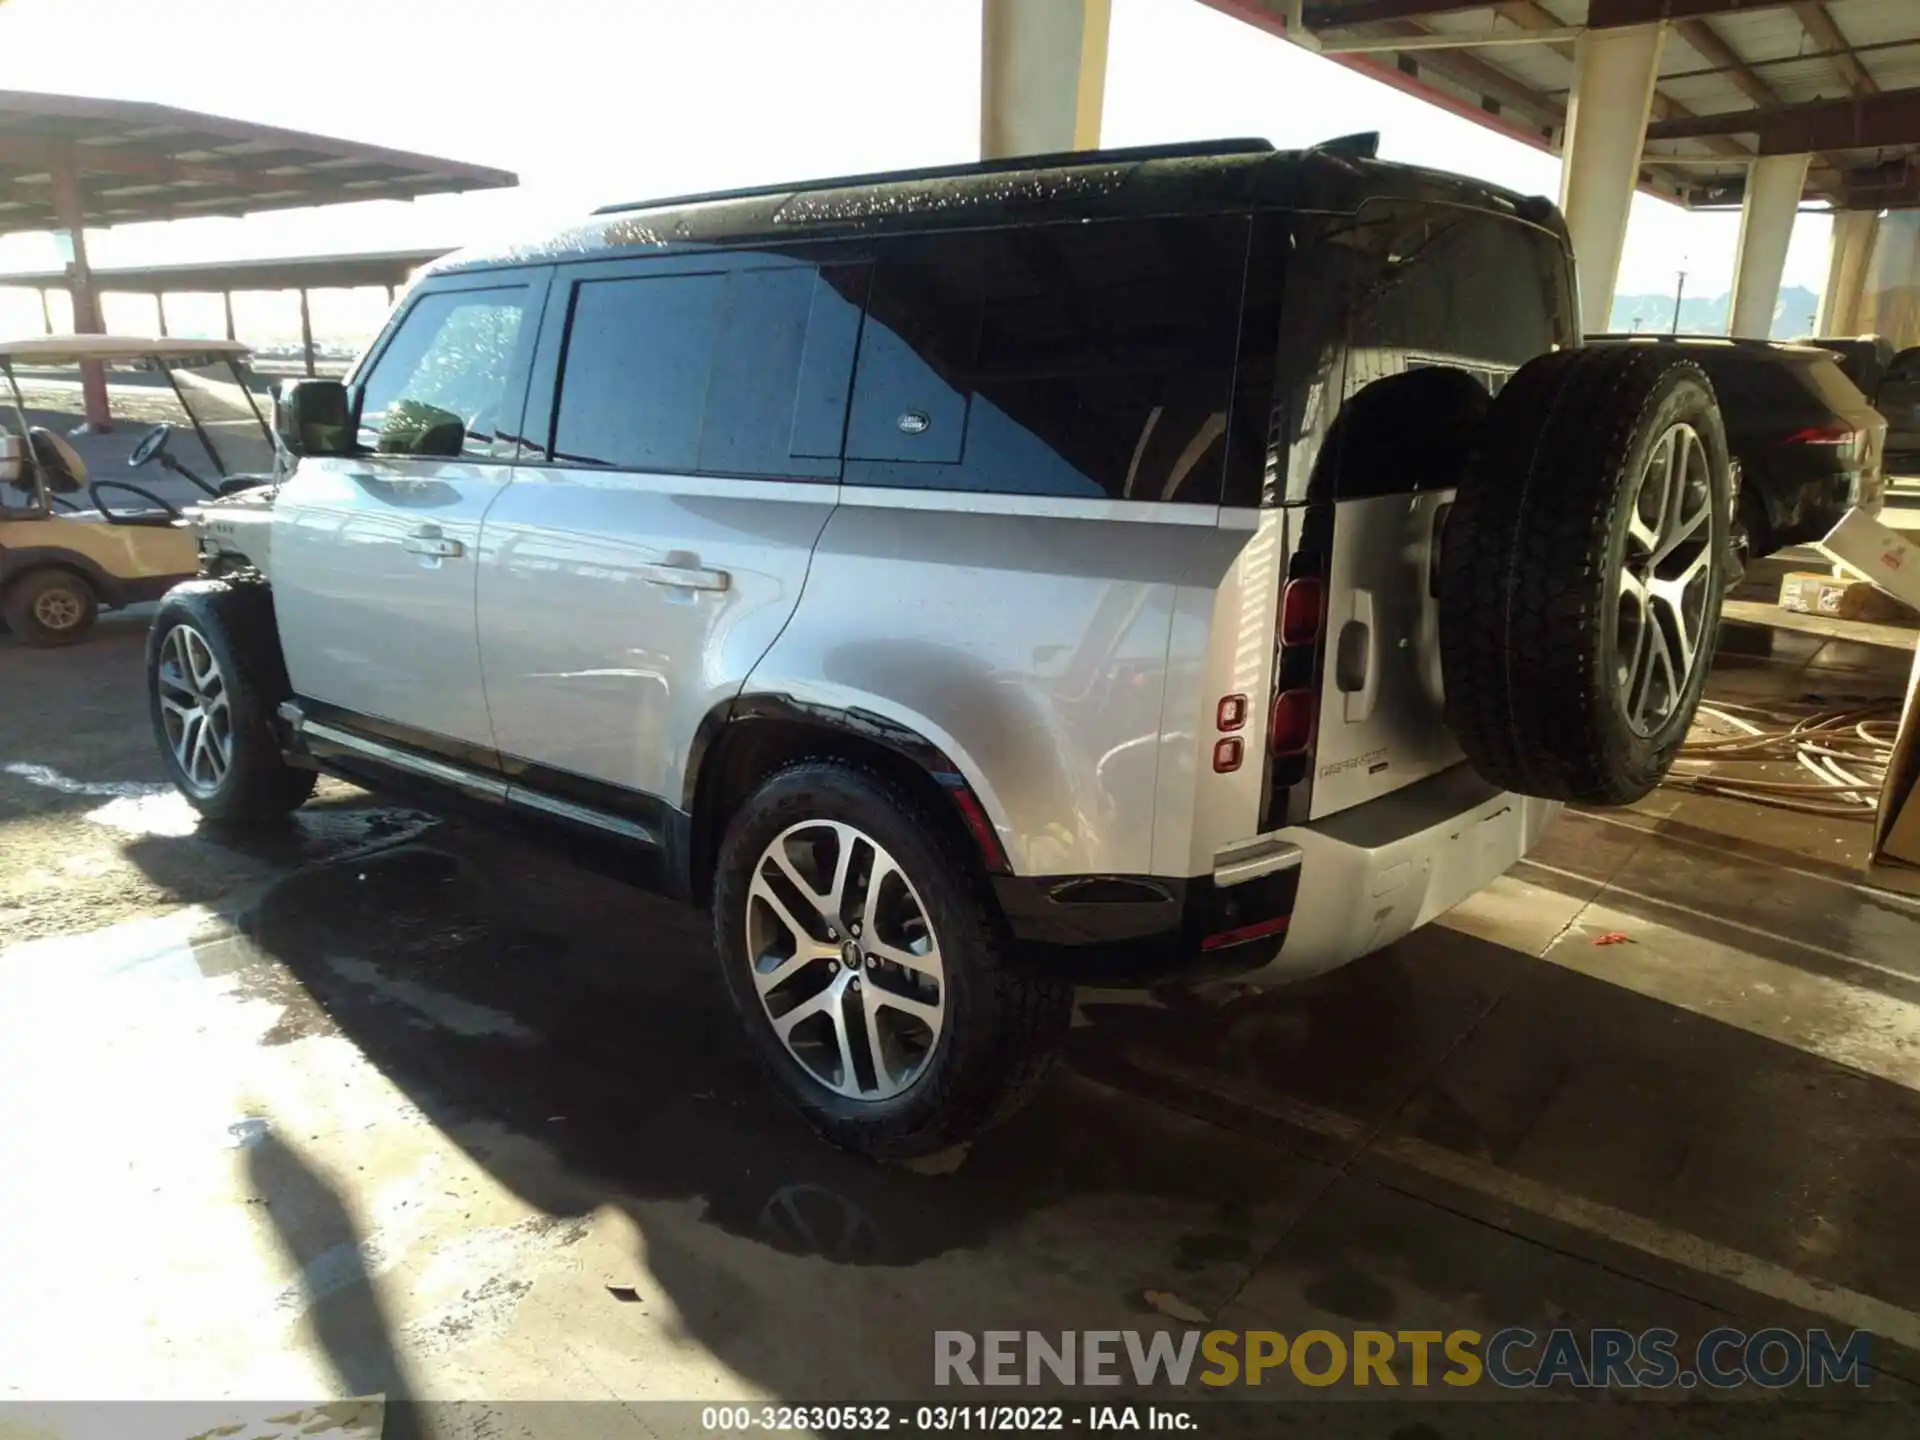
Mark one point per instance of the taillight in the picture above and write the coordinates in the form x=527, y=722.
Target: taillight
x=1291, y=731
x=1823, y=435
x=1303, y=606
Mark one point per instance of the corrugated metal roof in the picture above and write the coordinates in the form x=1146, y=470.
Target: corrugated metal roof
x=152, y=162
x=1726, y=58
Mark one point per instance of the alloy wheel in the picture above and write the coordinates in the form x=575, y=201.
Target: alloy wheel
x=1665, y=576
x=845, y=959
x=195, y=708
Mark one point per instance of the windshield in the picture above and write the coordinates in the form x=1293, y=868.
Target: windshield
x=230, y=410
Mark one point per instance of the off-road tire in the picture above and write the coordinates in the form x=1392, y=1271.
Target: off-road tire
x=1004, y=1022
x=235, y=618
x=1530, y=573
x=31, y=589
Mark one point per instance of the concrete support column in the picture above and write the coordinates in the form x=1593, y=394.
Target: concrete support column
x=1774, y=186
x=70, y=212
x=1848, y=258
x=226, y=304
x=1043, y=75
x=306, y=332
x=1613, y=77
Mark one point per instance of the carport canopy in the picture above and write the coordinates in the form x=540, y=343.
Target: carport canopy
x=1736, y=80
x=69, y=161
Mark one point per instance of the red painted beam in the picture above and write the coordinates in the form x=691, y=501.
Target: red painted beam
x=1331, y=16
x=1865, y=122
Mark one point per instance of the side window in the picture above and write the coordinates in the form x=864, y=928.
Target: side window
x=440, y=385
x=739, y=372
x=1092, y=360
x=634, y=385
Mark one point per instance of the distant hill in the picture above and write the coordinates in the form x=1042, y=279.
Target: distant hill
x=1707, y=314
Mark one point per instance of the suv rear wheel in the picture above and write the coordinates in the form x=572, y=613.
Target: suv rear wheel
x=1581, y=574
x=866, y=961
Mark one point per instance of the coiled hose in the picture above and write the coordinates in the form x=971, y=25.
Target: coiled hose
x=1846, y=751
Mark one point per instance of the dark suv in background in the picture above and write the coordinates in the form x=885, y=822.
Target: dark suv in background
x=1810, y=445
x=1890, y=380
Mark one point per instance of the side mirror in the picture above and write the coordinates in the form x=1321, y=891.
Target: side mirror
x=413, y=427
x=313, y=417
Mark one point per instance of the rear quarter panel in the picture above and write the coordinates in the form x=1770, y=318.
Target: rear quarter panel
x=1025, y=637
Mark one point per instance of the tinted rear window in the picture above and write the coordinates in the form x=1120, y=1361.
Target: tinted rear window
x=1446, y=304
x=1762, y=394
x=1092, y=360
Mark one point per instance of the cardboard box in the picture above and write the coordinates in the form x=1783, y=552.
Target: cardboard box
x=1811, y=594
x=1892, y=561
x=1870, y=550
x=1895, y=861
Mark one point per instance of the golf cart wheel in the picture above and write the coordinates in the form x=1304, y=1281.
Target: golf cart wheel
x=214, y=682
x=1581, y=574
x=50, y=607
x=862, y=951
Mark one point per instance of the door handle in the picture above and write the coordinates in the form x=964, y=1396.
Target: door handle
x=685, y=577
x=1358, y=660
x=432, y=542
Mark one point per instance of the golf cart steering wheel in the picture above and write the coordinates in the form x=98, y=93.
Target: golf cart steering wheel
x=169, y=512
x=151, y=445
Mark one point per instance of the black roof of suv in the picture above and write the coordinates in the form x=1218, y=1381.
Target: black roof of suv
x=1217, y=177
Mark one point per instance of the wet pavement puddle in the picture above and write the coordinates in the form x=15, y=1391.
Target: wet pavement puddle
x=397, y=1122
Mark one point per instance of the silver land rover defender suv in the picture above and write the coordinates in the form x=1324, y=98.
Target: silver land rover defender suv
x=1113, y=567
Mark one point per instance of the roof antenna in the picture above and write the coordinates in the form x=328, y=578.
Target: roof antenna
x=1364, y=145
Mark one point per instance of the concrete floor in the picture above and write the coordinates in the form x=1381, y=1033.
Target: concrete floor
x=386, y=1106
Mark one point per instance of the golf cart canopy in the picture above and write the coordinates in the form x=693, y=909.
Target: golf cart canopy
x=204, y=383
x=111, y=349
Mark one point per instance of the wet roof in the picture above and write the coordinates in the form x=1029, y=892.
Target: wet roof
x=1738, y=78
x=1217, y=177
x=152, y=162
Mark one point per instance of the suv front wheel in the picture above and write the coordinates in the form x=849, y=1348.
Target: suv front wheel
x=214, y=681
x=865, y=959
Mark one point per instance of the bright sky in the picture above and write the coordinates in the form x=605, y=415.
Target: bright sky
x=675, y=96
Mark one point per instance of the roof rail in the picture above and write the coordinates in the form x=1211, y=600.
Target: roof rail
x=1186, y=150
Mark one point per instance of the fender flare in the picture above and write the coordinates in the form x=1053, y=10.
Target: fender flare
x=858, y=724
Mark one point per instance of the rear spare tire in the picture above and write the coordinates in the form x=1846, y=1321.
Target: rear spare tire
x=1581, y=573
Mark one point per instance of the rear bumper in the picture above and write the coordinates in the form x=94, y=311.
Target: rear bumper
x=1374, y=873
x=1286, y=905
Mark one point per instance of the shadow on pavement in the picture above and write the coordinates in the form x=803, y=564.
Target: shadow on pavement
x=343, y=1310
x=596, y=1036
